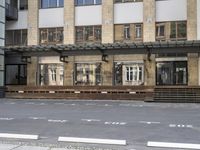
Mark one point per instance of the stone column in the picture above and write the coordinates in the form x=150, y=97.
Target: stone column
x=107, y=21
x=69, y=22
x=68, y=72
x=107, y=71
x=33, y=22
x=193, y=69
x=150, y=71
x=32, y=72
x=192, y=19
x=149, y=17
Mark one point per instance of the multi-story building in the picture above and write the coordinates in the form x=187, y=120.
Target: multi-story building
x=103, y=42
x=2, y=41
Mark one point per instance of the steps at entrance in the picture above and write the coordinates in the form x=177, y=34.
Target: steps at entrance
x=183, y=94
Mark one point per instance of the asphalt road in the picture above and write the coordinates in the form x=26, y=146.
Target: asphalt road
x=135, y=122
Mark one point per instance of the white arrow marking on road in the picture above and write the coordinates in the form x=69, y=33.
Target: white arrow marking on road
x=8, y=119
x=57, y=121
x=91, y=120
x=149, y=122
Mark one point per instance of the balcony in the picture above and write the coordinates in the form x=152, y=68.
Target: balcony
x=11, y=12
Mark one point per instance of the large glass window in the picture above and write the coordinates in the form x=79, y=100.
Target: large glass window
x=51, y=74
x=172, y=73
x=51, y=36
x=51, y=3
x=129, y=74
x=88, y=74
x=16, y=74
x=16, y=37
x=178, y=30
x=87, y=2
x=88, y=34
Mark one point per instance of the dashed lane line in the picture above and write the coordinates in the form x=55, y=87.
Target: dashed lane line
x=91, y=120
x=149, y=122
x=19, y=136
x=92, y=141
x=173, y=145
x=57, y=121
x=7, y=119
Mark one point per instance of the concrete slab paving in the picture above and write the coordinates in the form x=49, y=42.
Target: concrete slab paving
x=7, y=146
x=31, y=148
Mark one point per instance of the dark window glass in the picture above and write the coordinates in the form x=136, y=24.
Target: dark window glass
x=52, y=3
x=51, y=36
x=23, y=4
x=181, y=29
x=61, y=3
x=44, y=3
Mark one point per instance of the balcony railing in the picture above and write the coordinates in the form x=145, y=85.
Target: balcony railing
x=11, y=12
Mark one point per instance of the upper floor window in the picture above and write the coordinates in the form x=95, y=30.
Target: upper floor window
x=51, y=3
x=51, y=36
x=23, y=5
x=166, y=31
x=87, y=2
x=16, y=37
x=128, y=32
x=124, y=1
x=178, y=30
x=88, y=34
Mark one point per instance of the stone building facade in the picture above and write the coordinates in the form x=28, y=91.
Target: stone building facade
x=76, y=22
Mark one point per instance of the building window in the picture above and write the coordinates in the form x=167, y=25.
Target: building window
x=88, y=34
x=51, y=74
x=87, y=2
x=124, y=1
x=88, y=74
x=51, y=36
x=16, y=74
x=128, y=32
x=51, y=3
x=16, y=37
x=172, y=73
x=23, y=5
x=178, y=30
x=138, y=31
x=129, y=74
x=160, y=31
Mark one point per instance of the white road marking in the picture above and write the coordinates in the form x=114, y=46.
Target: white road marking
x=115, y=123
x=92, y=141
x=38, y=118
x=10, y=103
x=173, y=145
x=91, y=120
x=57, y=121
x=70, y=104
x=107, y=105
x=19, y=136
x=59, y=103
x=30, y=103
x=7, y=119
x=149, y=122
x=89, y=104
x=180, y=126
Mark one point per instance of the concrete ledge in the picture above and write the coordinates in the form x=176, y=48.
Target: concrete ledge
x=173, y=145
x=92, y=141
x=19, y=136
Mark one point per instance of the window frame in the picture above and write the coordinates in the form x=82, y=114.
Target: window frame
x=84, y=3
x=48, y=7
